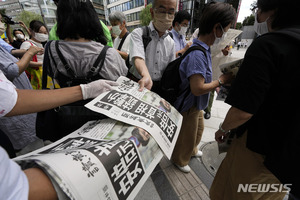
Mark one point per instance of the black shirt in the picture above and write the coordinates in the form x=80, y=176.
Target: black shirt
x=16, y=44
x=266, y=86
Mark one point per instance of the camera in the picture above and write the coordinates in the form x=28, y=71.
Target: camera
x=8, y=20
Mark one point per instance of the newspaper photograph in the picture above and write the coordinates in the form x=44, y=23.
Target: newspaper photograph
x=145, y=109
x=104, y=159
x=230, y=67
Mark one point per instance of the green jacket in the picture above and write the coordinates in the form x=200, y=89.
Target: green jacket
x=53, y=36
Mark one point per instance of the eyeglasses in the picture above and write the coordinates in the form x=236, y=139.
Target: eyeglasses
x=164, y=11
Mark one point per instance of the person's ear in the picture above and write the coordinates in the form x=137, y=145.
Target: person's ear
x=176, y=26
x=217, y=30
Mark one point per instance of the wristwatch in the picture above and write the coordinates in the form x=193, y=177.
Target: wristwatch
x=220, y=82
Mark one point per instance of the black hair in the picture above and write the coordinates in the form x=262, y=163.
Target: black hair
x=213, y=13
x=15, y=30
x=136, y=133
x=285, y=12
x=180, y=16
x=78, y=18
x=35, y=25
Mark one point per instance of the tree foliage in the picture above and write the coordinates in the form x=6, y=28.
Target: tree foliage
x=2, y=11
x=27, y=17
x=249, y=21
x=238, y=26
x=145, y=15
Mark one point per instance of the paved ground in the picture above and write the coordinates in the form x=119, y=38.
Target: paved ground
x=168, y=183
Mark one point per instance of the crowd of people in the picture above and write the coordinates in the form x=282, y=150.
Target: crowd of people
x=81, y=61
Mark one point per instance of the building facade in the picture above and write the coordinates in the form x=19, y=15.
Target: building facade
x=131, y=9
x=195, y=7
x=99, y=6
x=45, y=8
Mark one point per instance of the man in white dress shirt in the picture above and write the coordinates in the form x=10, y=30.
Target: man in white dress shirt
x=149, y=66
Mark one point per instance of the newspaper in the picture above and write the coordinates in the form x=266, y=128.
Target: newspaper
x=216, y=52
x=230, y=67
x=102, y=160
x=230, y=136
x=144, y=109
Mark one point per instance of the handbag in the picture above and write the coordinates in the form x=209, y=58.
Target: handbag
x=56, y=123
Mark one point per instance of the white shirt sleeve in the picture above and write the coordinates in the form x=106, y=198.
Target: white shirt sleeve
x=13, y=181
x=25, y=45
x=8, y=95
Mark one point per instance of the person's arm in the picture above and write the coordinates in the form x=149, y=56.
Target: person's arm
x=35, y=64
x=182, y=51
x=199, y=87
x=18, y=52
x=124, y=55
x=27, y=57
x=22, y=24
x=40, y=186
x=31, y=101
x=137, y=56
x=234, y=118
x=8, y=33
x=142, y=69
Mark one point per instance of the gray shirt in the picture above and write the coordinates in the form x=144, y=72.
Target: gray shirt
x=19, y=129
x=82, y=55
x=159, y=52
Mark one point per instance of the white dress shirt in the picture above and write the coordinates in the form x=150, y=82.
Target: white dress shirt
x=159, y=52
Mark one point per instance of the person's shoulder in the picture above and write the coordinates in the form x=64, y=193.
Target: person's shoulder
x=169, y=39
x=26, y=44
x=128, y=37
x=137, y=31
x=111, y=52
x=266, y=42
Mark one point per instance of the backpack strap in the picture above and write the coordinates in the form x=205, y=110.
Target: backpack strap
x=34, y=58
x=146, y=36
x=70, y=72
x=97, y=66
x=46, y=64
x=171, y=34
x=193, y=48
x=122, y=41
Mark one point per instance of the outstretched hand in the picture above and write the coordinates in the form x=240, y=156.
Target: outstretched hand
x=145, y=82
x=95, y=88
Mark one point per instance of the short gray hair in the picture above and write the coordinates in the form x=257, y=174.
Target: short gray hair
x=117, y=16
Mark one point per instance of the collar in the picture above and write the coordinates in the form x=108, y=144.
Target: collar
x=155, y=33
x=200, y=43
x=175, y=33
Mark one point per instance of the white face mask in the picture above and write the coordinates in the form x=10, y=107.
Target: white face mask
x=2, y=28
x=41, y=37
x=220, y=39
x=183, y=30
x=116, y=30
x=260, y=28
x=20, y=36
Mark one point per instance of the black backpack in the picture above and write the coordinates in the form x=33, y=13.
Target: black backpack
x=171, y=80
